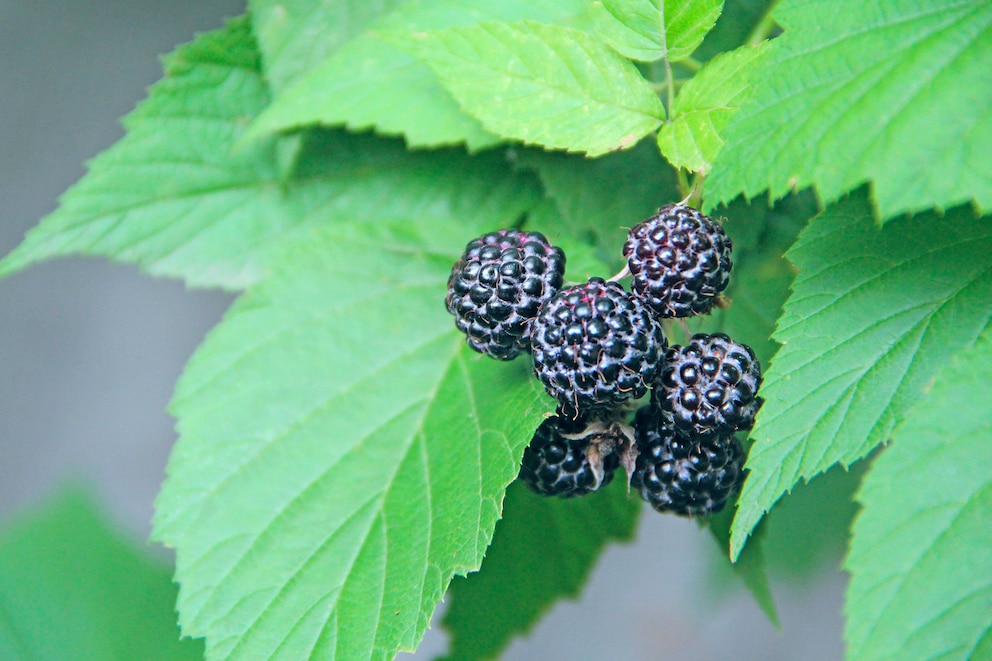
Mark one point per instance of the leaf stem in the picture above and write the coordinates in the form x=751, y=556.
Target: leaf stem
x=764, y=27
x=691, y=63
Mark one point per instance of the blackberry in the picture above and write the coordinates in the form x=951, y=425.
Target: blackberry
x=497, y=287
x=679, y=260
x=684, y=474
x=710, y=385
x=568, y=458
x=595, y=347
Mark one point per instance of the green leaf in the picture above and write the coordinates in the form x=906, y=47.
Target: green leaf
x=543, y=551
x=370, y=83
x=921, y=557
x=649, y=30
x=600, y=198
x=692, y=138
x=542, y=84
x=873, y=313
x=807, y=532
x=893, y=93
x=342, y=451
x=71, y=587
x=294, y=36
x=174, y=196
x=749, y=566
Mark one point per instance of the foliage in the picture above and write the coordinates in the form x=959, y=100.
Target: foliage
x=343, y=455
x=72, y=587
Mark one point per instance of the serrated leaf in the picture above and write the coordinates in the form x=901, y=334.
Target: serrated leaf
x=294, y=36
x=72, y=587
x=600, y=198
x=921, y=557
x=893, y=93
x=370, y=83
x=543, y=551
x=692, y=138
x=873, y=313
x=174, y=196
x=649, y=30
x=342, y=451
x=541, y=84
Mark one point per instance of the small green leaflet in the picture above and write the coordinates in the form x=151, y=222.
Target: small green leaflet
x=342, y=452
x=872, y=314
x=72, y=588
x=692, y=137
x=543, y=551
x=178, y=198
x=894, y=93
x=649, y=30
x=541, y=84
x=294, y=36
x=921, y=557
x=370, y=83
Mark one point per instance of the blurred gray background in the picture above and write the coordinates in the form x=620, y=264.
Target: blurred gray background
x=89, y=352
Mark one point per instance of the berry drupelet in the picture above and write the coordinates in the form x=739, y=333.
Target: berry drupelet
x=497, y=286
x=679, y=260
x=595, y=347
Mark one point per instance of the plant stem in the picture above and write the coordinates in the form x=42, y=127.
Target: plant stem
x=764, y=27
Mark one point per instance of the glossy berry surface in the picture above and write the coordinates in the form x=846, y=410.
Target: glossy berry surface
x=560, y=460
x=710, y=385
x=595, y=347
x=680, y=261
x=497, y=286
x=682, y=474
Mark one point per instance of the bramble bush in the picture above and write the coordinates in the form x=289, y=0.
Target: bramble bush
x=343, y=454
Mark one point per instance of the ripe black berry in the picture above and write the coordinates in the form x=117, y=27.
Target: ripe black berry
x=497, y=287
x=568, y=458
x=710, y=385
x=679, y=473
x=595, y=347
x=680, y=261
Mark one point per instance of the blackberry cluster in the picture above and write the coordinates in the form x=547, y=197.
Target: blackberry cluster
x=497, y=286
x=679, y=260
x=566, y=458
x=682, y=473
x=597, y=348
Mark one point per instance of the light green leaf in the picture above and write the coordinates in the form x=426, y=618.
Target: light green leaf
x=873, y=313
x=692, y=137
x=342, y=451
x=542, y=84
x=294, y=36
x=543, y=551
x=893, y=93
x=370, y=83
x=73, y=588
x=650, y=30
x=174, y=196
x=921, y=557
